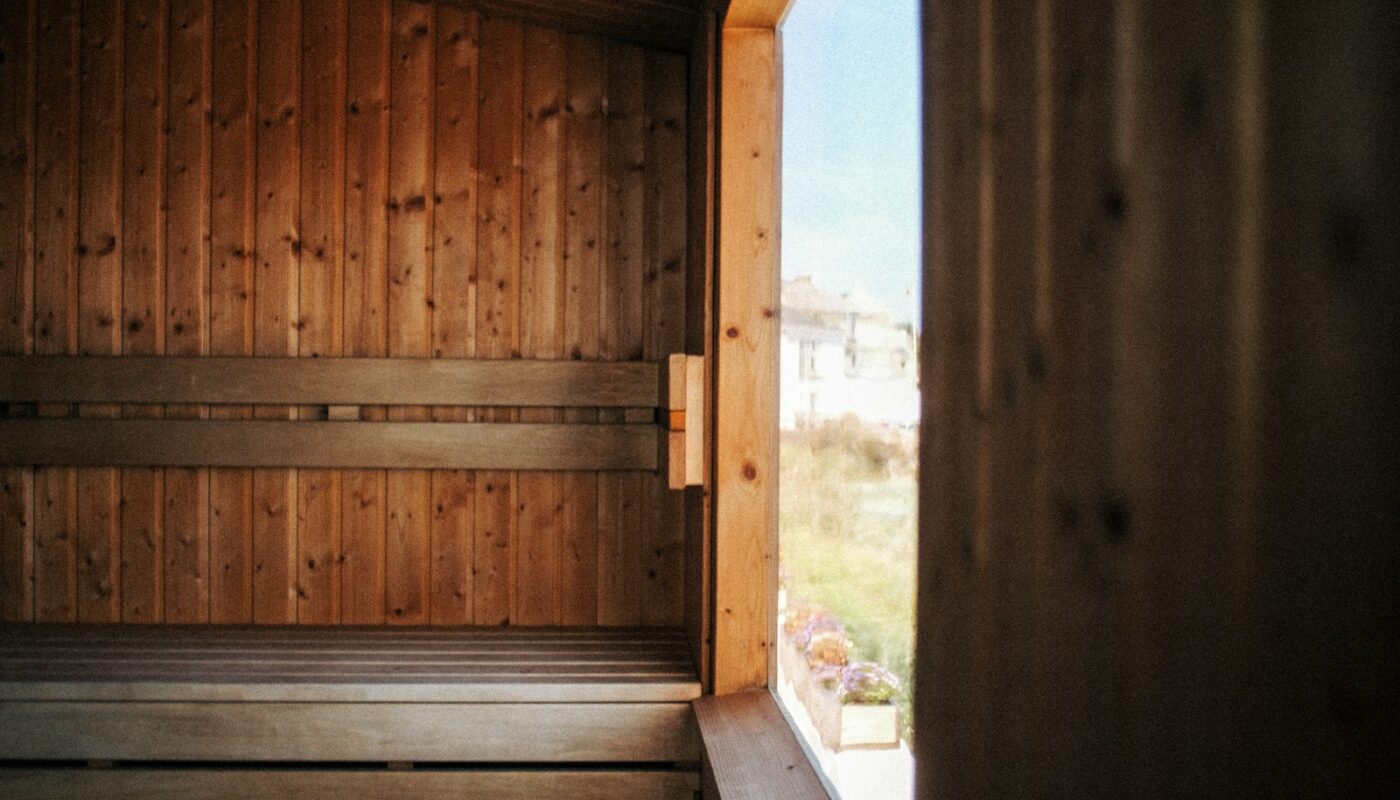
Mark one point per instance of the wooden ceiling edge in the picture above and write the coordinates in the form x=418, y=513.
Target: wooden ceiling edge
x=757, y=13
x=672, y=33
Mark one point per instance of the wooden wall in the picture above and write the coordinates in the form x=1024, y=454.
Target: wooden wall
x=1161, y=463
x=323, y=178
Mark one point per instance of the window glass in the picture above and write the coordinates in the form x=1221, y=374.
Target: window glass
x=849, y=382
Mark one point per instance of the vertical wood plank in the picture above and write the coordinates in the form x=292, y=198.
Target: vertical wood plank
x=453, y=303
x=320, y=304
x=56, y=290
x=499, y=123
x=186, y=515
x=366, y=291
x=100, y=251
x=620, y=568
x=664, y=534
x=411, y=68
x=746, y=410
x=585, y=146
x=278, y=248
x=143, y=291
x=232, y=164
x=700, y=324
x=538, y=503
x=16, y=289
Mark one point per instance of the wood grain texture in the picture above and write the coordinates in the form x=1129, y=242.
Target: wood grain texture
x=328, y=381
x=746, y=360
x=498, y=284
x=584, y=165
x=539, y=507
x=321, y=290
x=143, y=221
x=285, y=443
x=277, y=244
x=99, y=301
x=217, y=181
x=621, y=334
x=17, y=182
x=1151, y=559
x=232, y=170
x=55, y=321
x=411, y=123
x=366, y=290
x=185, y=519
x=700, y=330
x=330, y=784
x=665, y=311
x=750, y=751
x=310, y=663
x=453, y=302
x=501, y=732
x=756, y=14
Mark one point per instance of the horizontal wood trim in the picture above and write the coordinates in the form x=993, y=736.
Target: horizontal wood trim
x=329, y=381
x=751, y=752
x=330, y=664
x=331, y=784
x=330, y=445
x=487, y=732
x=658, y=23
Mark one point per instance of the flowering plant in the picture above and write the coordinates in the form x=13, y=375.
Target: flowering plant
x=867, y=683
x=827, y=648
x=818, y=622
x=796, y=616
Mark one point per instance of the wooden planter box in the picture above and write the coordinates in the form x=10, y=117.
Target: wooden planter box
x=851, y=726
x=842, y=727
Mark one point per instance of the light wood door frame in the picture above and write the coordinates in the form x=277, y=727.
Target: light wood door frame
x=746, y=366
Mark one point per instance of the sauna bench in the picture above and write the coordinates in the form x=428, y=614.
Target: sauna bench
x=344, y=694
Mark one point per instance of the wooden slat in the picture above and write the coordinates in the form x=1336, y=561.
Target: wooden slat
x=750, y=751
x=651, y=22
x=321, y=289
x=275, y=302
x=746, y=360
x=499, y=123
x=757, y=14
x=411, y=202
x=367, y=445
x=664, y=531
x=497, y=732
x=621, y=316
x=585, y=138
x=700, y=328
x=538, y=503
x=329, y=784
x=186, y=492
x=143, y=205
x=16, y=288
x=100, y=250
x=232, y=164
x=55, y=290
x=324, y=381
x=453, y=304
x=366, y=290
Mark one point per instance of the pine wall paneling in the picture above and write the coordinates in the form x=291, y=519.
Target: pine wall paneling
x=317, y=178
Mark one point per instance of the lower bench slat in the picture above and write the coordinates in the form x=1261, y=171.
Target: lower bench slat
x=331, y=784
x=447, y=732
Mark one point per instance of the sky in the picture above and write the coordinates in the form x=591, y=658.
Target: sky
x=850, y=191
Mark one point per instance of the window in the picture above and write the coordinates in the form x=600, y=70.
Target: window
x=848, y=452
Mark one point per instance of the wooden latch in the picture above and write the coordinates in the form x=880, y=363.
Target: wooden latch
x=684, y=419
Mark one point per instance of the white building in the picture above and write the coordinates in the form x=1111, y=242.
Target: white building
x=845, y=354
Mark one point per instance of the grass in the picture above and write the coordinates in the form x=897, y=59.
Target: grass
x=847, y=513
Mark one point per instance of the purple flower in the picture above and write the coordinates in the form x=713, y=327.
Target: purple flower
x=867, y=683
